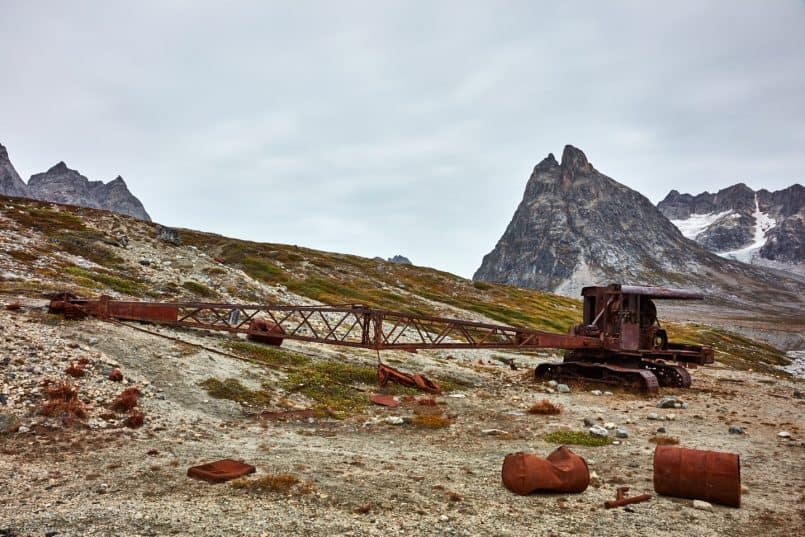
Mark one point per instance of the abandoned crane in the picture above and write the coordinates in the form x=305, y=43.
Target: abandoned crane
x=619, y=341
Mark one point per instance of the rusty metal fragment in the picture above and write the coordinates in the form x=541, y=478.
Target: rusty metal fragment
x=220, y=471
x=712, y=476
x=386, y=374
x=265, y=332
x=384, y=400
x=561, y=471
x=621, y=499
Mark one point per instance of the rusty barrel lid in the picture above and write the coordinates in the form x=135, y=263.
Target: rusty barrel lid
x=713, y=476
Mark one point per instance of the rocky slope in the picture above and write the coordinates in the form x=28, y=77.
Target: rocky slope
x=740, y=223
x=575, y=226
x=60, y=184
x=362, y=469
x=10, y=182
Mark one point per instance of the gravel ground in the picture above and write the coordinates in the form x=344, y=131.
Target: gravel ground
x=361, y=475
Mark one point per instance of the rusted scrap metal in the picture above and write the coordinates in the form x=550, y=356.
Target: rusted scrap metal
x=383, y=399
x=621, y=499
x=386, y=374
x=619, y=341
x=265, y=332
x=561, y=471
x=220, y=471
x=712, y=476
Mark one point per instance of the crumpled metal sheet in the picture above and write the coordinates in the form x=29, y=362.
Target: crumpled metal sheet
x=561, y=471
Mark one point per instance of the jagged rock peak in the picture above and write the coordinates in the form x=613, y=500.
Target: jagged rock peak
x=59, y=167
x=547, y=163
x=3, y=152
x=574, y=159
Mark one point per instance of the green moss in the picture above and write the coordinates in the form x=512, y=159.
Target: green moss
x=481, y=286
x=731, y=349
x=97, y=279
x=233, y=390
x=274, y=356
x=329, y=384
x=199, y=289
x=576, y=438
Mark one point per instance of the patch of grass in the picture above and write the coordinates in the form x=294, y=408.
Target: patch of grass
x=431, y=421
x=96, y=278
x=576, y=438
x=271, y=483
x=481, y=286
x=734, y=350
x=328, y=383
x=544, y=408
x=274, y=356
x=662, y=440
x=126, y=400
x=233, y=390
x=199, y=289
x=62, y=402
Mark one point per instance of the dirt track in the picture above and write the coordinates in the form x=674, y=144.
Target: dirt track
x=367, y=477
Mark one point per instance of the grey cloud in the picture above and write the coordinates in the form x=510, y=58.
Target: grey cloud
x=398, y=127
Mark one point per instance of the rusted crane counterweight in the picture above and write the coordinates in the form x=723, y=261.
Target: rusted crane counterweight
x=619, y=341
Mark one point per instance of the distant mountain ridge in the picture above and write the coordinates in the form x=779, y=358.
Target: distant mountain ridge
x=61, y=184
x=575, y=226
x=738, y=222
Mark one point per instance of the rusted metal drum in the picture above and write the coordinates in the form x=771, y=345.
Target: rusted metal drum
x=702, y=475
x=561, y=471
x=265, y=332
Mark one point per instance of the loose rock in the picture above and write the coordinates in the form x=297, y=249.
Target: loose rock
x=563, y=388
x=702, y=505
x=597, y=430
x=735, y=429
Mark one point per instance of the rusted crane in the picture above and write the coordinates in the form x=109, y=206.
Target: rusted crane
x=619, y=341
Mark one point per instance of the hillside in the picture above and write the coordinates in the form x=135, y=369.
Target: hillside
x=301, y=413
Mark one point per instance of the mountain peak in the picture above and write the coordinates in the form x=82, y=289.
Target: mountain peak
x=574, y=159
x=3, y=152
x=59, y=167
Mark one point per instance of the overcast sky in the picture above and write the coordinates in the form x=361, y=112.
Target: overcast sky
x=379, y=128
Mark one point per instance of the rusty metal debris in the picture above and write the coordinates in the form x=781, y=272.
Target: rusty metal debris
x=220, y=471
x=619, y=341
x=621, y=499
x=384, y=400
x=712, y=476
x=386, y=374
x=561, y=471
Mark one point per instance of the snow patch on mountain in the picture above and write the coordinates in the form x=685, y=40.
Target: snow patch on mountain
x=763, y=223
x=696, y=223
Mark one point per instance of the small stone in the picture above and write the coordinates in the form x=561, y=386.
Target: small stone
x=552, y=383
x=661, y=430
x=677, y=405
x=23, y=429
x=593, y=475
x=93, y=341
x=797, y=394
x=493, y=432
x=609, y=425
x=784, y=434
x=596, y=392
x=735, y=429
x=621, y=433
x=550, y=390
x=667, y=402
x=653, y=416
x=394, y=420
x=9, y=423
x=702, y=505
x=684, y=405
x=563, y=388
x=444, y=518
x=607, y=393
x=670, y=417
x=597, y=430
x=589, y=422
x=3, y=399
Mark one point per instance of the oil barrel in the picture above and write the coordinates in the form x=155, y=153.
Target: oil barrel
x=712, y=476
